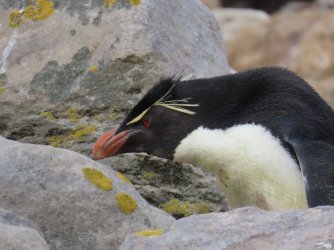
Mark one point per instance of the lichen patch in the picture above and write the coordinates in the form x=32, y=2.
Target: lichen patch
x=39, y=10
x=109, y=3
x=2, y=90
x=147, y=233
x=15, y=19
x=135, y=2
x=123, y=178
x=126, y=203
x=48, y=115
x=184, y=208
x=97, y=178
x=84, y=131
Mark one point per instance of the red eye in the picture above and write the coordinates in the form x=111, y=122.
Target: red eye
x=147, y=123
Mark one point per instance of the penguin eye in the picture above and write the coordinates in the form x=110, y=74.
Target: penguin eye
x=146, y=123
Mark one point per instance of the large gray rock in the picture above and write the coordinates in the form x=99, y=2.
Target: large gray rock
x=19, y=233
x=76, y=202
x=246, y=228
x=77, y=71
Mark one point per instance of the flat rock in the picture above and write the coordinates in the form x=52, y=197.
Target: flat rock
x=246, y=228
x=76, y=202
x=19, y=233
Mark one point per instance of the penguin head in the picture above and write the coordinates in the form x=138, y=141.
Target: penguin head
x=156, y=125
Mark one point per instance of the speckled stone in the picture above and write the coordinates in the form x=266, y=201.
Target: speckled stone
x=246, y=228
x=49, y=187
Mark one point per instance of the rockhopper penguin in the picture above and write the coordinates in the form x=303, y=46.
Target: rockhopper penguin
x=265, y=133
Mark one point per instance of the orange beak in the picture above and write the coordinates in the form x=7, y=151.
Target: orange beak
x=109, y=144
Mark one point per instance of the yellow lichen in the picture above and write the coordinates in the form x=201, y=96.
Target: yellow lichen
x=126, y=203
x=48, y=115
x=123, y=178
x=147, y=233
x=114, y=115
x=177, y=207
x=76, y=134
x=149, y=175
x=99, y=118
x=97, y=178
x=29, y=11
x=39, y=10
x=93, y=69
x=59, y=141
x=135, y=2
x=2, y=90
x=15, y=19
x=73, y=115
x=83, y=131
x=109, y=3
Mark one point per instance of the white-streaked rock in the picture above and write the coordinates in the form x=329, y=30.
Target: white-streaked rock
x=48, y=186
x=244, y=229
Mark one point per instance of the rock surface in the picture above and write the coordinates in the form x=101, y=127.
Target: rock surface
x=71, y=74
x=68, y=77
x=179, y=189
x=233, y=21
x=301, y=40
x=19, y=233
x=246, y=228
x=76, y=202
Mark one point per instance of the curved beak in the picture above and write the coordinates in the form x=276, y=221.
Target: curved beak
x=109, y=144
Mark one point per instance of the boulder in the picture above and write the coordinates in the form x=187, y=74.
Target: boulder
x=19, y=233
x=179, y=189
x=233, y=21
x=300, y=40
x=76, y=202
x=245, y=228
x=71, y=69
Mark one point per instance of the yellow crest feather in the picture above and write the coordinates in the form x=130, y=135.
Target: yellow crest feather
x=176, y=105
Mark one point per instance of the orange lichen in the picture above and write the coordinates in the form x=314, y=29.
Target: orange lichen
x=15, y=19
x=147, y=233
x=97, y=178
x=123, y=178
x=126, y=203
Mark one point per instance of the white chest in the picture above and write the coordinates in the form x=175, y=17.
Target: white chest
x=251, y=165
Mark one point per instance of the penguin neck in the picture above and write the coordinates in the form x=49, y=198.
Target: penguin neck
x=251, y=165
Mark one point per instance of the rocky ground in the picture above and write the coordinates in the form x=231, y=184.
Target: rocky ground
x=70, y=70
x=299, y=37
